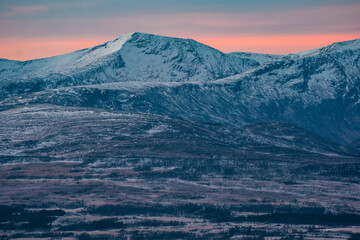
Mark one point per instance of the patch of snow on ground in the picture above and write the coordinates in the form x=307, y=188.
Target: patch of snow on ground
x=158, y=129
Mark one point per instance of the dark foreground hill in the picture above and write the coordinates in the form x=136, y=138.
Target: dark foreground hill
x=53, y=133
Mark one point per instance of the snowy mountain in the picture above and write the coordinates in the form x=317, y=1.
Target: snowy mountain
x=317, y=90
x=133, y=57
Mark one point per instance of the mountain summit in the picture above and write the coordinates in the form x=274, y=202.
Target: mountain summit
x=132, y=57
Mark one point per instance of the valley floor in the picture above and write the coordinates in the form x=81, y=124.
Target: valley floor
x=147, y=199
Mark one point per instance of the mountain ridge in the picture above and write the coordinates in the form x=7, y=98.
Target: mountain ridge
x=132, y=57
x=317, y=90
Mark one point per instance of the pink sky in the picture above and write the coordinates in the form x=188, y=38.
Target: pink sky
x=275, y=44
x=26, y=34
x=26, y=49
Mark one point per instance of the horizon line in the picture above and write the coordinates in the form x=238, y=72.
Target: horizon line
x=75, y=45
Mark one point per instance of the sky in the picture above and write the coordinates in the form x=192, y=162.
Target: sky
x=42, y=28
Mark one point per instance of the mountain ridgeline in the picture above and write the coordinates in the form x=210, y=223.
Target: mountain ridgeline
x=317, y=90
x=133, y=57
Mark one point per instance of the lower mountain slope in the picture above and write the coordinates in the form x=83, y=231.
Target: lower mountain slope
x=354, y=146
x=47, y=133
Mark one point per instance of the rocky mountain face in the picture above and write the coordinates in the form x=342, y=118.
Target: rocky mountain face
x=317, y=90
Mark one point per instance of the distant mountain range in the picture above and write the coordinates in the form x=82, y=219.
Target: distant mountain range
x=317, y=90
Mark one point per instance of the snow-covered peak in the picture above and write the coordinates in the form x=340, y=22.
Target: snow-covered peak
x=90, y=55
x=62, y=64
x=82, y=58
x=333, y=48
x=347, y=45
x=133, y=57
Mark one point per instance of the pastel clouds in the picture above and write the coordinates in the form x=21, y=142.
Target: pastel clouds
x=281, y=44
x=276, y=31
x=23, y=10
x=26, y=49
